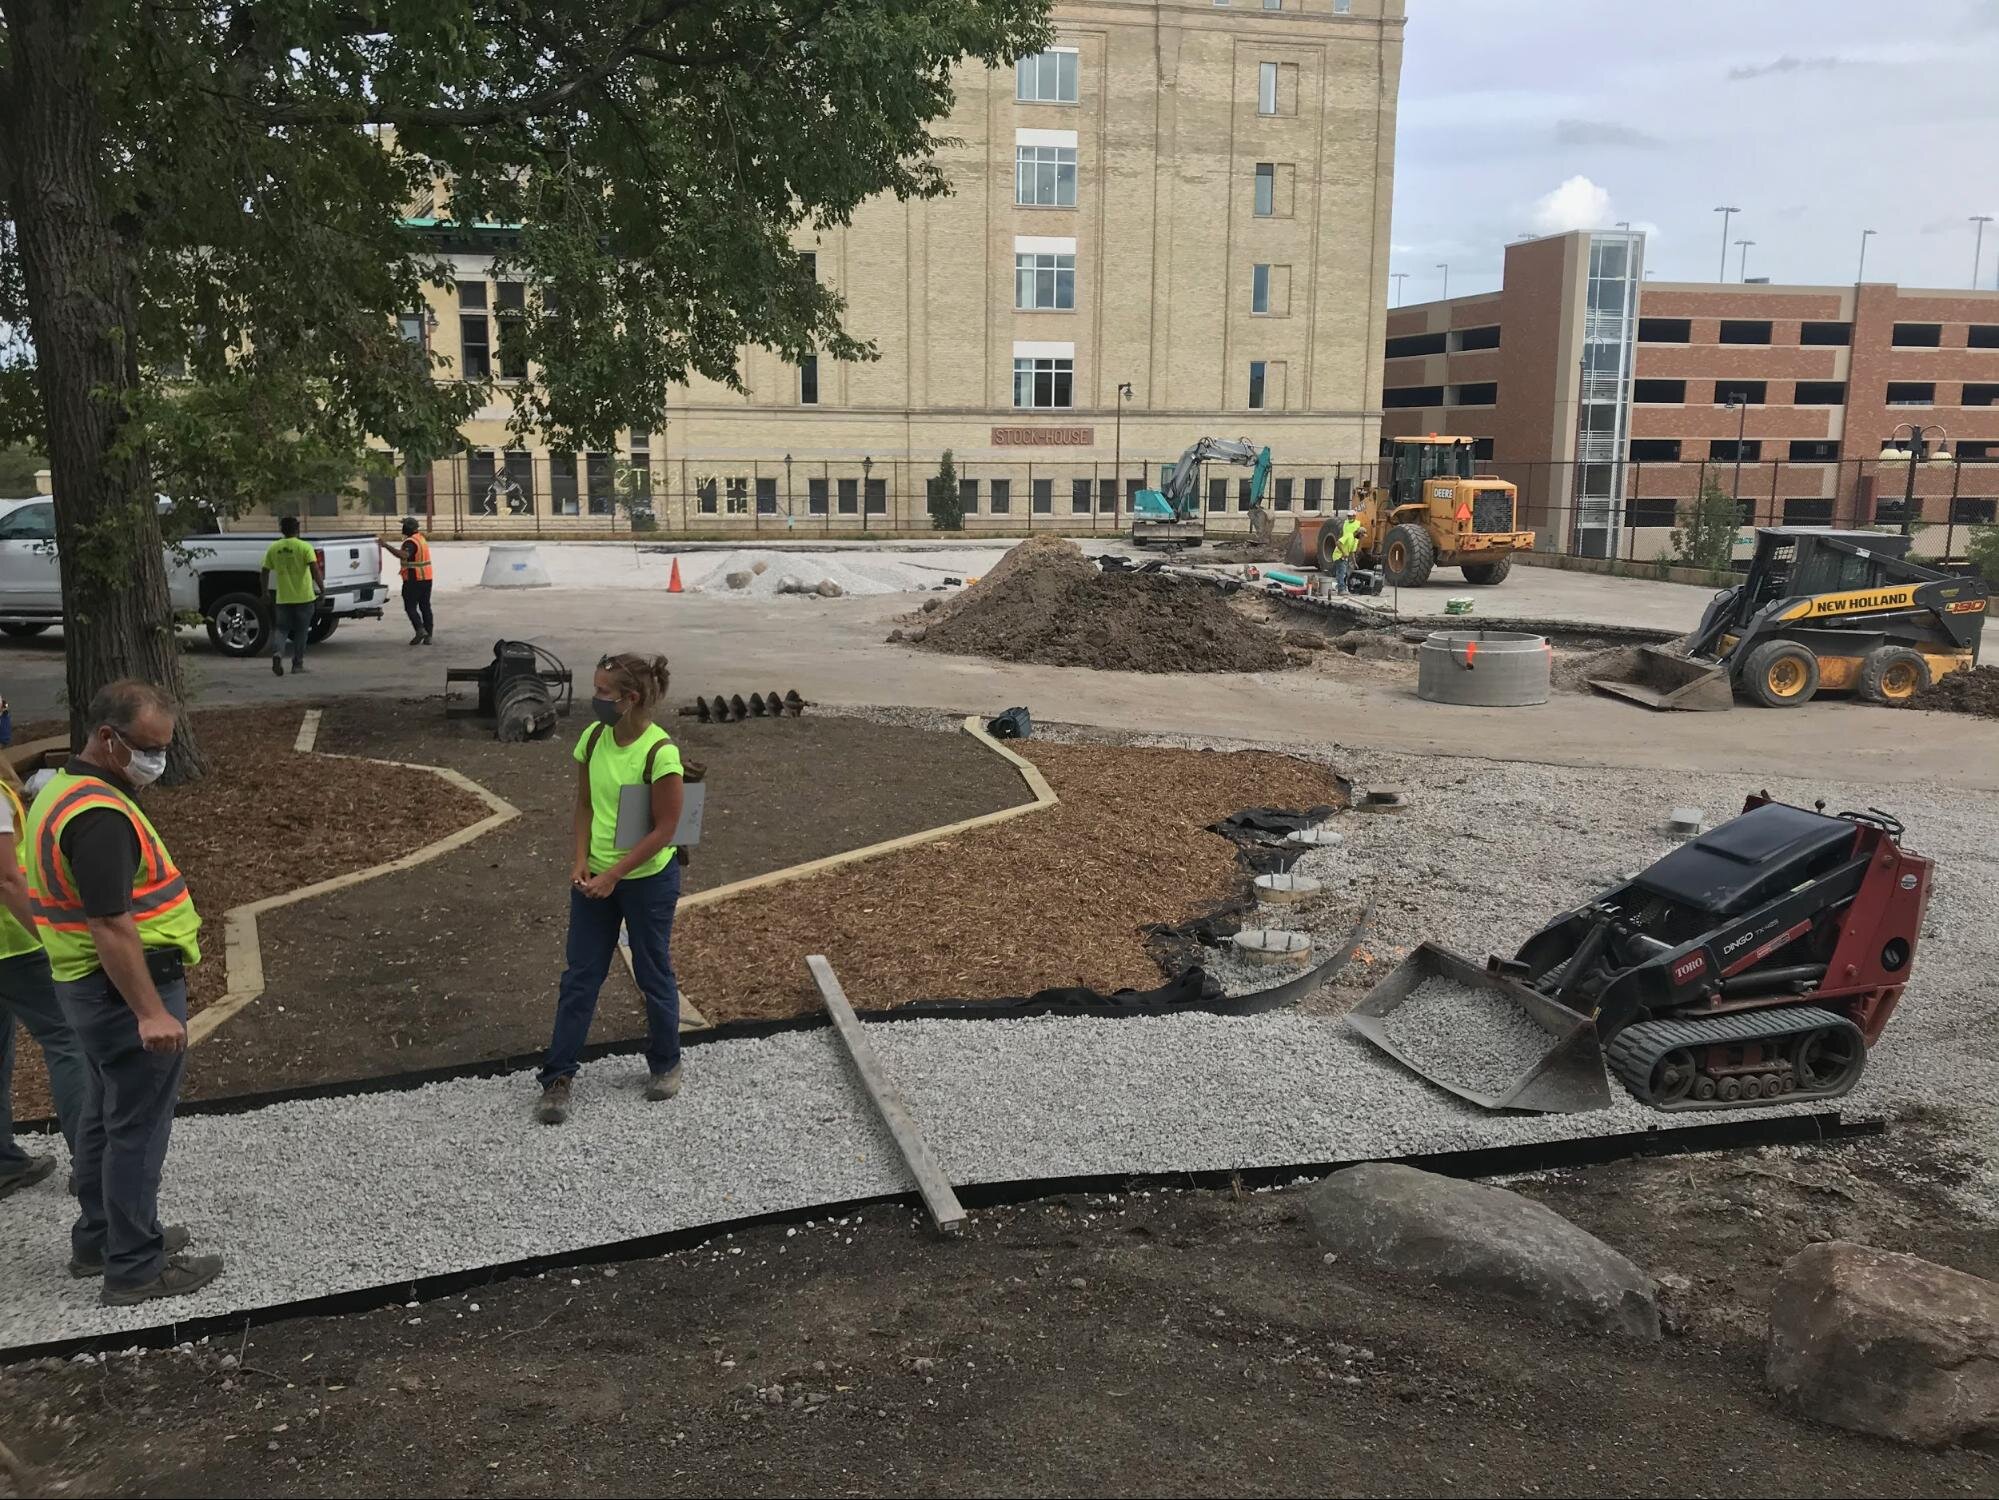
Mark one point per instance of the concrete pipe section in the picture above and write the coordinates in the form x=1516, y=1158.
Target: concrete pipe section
x=1484, y=668
x=513, y=565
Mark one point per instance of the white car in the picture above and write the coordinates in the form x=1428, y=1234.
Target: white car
x=218, y=575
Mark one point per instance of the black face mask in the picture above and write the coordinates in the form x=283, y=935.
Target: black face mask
x=607, y=710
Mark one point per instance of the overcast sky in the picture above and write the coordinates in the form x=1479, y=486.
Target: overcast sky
x=1817, y=118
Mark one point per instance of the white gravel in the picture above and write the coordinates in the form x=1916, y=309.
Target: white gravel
x=319, y=1197
x=1474, y=1038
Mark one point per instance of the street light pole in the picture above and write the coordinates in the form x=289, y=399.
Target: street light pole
x=1917, y=452
x=1398, y=277
x=1860, y=274
x=1978, y=246
x=867, y=478
x=1117, y=453
x=1445, y=267
x=1743, y=246
x=1727, y=212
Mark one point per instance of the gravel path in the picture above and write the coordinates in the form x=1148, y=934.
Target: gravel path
x=1471, y=1037
x=313, y=1198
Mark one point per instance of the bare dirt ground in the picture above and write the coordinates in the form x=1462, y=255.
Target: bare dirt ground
x=456, y=961
x=1150, y=1343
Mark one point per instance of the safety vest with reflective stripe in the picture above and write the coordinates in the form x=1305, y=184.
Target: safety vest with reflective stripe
x=418, y=567
x=15, y=939
x=1349, y=540
x=161, y=905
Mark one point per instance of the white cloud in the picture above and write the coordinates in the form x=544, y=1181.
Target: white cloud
x=1577, y=204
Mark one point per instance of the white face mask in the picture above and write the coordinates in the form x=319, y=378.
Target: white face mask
x=146, y=766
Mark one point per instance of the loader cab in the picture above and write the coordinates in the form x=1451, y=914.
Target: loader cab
x=1419, y=460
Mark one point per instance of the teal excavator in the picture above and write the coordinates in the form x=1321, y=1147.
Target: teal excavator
x=1172, y=513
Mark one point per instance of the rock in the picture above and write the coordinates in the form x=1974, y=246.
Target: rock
x=736, y=580
x=759, y=565
x=915, y=633
x=828, y=589
x=894, y=636
x=1482, y=1240
x=1307, y=640
x=791, y=583
x=931, y=605
x=1886, y=1343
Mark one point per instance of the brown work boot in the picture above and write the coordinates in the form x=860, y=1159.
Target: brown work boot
x=554, y=1106
x=182, y=1274
x=175, y=1237
x=663, y=1085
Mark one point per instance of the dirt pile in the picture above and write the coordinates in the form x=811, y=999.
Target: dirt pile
x=1973, y=692
x=1048, y=604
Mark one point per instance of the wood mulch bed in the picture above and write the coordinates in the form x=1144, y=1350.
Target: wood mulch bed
x=1057, y=897
x=266, y=820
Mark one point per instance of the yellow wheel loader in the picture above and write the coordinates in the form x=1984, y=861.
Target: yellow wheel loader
x=1434, y=514
x=1819, y=611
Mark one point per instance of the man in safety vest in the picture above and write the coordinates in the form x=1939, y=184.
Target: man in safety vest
x=1343, y=552
x=120, y=930
x=418, y=576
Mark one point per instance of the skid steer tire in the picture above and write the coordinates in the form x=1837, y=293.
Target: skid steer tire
x=1407, y=557
x=1488, y=573
x=1892, y=675
x=1781, y=674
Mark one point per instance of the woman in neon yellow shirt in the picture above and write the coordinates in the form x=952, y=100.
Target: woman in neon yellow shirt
x=626, y=873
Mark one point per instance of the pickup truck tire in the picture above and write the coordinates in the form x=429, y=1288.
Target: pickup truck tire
x=322, y=627
x=23, y=629
x=237, y=626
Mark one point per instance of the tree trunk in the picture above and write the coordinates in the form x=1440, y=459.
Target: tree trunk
x=82, y=290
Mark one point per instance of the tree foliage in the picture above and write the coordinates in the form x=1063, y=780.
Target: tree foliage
x=218, y=194
x=1983, y=553
x=1705, y=537
x=947, y=505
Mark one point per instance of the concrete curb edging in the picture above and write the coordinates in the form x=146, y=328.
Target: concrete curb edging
x=242, y=949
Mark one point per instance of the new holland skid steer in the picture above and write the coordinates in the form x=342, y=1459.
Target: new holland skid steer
x=1820, y=611
x=1754, y=964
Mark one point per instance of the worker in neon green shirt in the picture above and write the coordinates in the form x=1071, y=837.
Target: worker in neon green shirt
x=292, y=580
x=1344, y=551
x=626, y=874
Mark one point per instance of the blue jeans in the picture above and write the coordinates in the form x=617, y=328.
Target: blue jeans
x=1341, y=567
x=644, y=908
x=292, y=622
x=121, y=1141
x=28, y=995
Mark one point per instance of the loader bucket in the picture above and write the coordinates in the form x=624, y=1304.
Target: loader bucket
x=1665, y=679
x=1471, y=1031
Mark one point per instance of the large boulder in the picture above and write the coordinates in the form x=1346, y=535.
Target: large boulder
x=1482, y=1240
x=1886, y=1343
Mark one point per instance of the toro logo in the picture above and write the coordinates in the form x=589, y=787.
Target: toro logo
x=1688, y=967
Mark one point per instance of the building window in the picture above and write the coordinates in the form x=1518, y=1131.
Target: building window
x=1079, y=497
x=1266, y=87
x=1266, y=189
x=562, y=484
x=1257, y=372
x=1965, y=511
x=1131, y=489
x=1412, y=395
x=1001, y=493
x=1982, y=336
x=1977, y=453
x=877, y=490
x=1245, y=493
x=1810, y=451
x=1981, y=394
x=1280, y=494
x=1745, y=331
x=1728, y=451
x=1409, y=345
x=1890, y=512
x=1044, y=282
x=599, y=471
x=409, y=325
x=1107, y=495
x=381, y=495
x=1912, y=393
x=1741, y=392
x=766, y=495
x=1045, y=176
x=1825, y=334
x=1665, y=330
x=850, y=497
x=1259, y=289
x=1273, y=4
x=705, y=499
x=475, y=350
x=1043, y=382
x=1655, y=450
x=968, y=497
x=641, y=480
x=738, y=493
x=1659, y=392
x=1918, y=336
x=1315, y=493
x=479, y=465
x=1808, y=512
x=1218, y=494
x=1044, y=497
x=510, y=300
x=1046, y=78
x=808, y=380
x=1476, y=338
x=808, y=264
x=1652, y=513
x=1820, y=393
x=1477, y=393
x=815, y=497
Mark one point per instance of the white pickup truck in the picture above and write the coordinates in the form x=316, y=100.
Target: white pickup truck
x=218, y=575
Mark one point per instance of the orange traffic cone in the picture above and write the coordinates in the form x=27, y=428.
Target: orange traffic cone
x=673, y=583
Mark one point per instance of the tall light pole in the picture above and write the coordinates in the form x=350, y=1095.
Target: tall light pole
x=1978, y=246
x=1445, y=267
x=1398, y=277
x=1117, y=451
x=1727, y=212
x=1860, y=272
x=1917, y=452
x=1743, y=246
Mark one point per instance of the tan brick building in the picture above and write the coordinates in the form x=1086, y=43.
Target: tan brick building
x=1183, y=197
x=1609, y=399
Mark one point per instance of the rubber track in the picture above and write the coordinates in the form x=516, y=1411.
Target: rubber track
x=1634, y=1051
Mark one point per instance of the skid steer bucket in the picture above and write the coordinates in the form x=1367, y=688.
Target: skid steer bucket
x=1474, y=1033
x=1666, y=680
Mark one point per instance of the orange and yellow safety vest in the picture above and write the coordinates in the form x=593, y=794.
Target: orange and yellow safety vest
x=418, y=568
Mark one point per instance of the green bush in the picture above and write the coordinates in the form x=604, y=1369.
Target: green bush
x=1983, y=553
x=1705, y=537
x=947, y=508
